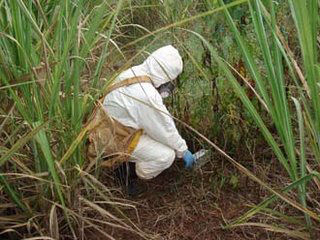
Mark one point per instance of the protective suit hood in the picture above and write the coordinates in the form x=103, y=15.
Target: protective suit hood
x=164, y=65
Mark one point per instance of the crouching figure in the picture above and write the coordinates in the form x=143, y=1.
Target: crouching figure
x=133, y=124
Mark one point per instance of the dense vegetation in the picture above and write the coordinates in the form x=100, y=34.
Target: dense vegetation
x=250, y=85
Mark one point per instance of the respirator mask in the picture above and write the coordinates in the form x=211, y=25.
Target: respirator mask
x=166, y=89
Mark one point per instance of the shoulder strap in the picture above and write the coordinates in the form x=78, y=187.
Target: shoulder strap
x=123, y=83
x=127, y=82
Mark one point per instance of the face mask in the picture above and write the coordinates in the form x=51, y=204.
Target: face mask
x=166, y=89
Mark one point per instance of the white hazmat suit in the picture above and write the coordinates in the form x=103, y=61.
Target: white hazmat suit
x=140, y=106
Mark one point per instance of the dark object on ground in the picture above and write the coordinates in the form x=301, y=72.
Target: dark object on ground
x=128, y=179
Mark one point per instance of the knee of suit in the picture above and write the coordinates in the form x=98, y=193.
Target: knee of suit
x=149, y=170
x=167, y=158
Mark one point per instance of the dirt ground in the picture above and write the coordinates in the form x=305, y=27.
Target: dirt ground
x=182, y=204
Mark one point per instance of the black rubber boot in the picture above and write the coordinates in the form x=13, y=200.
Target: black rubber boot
x=122, y=174
x=127, y=177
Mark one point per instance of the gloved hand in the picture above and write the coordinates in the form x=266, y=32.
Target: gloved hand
x=188, y=159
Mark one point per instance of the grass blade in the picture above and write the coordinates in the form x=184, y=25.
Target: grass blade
x=20, y=143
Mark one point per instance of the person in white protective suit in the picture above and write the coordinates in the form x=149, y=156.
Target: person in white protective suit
x=140, y=106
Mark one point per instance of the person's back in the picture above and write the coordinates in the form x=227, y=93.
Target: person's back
x=117, y=102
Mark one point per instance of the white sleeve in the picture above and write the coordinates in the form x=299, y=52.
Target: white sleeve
x=156, y=121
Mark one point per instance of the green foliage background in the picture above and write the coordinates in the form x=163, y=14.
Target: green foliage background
x=58, y=57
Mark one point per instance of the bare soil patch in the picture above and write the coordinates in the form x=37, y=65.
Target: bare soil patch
x=182, y=204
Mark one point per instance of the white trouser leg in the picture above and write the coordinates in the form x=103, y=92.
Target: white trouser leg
x=151, y=157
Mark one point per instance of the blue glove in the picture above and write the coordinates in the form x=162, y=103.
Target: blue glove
x=188, y=159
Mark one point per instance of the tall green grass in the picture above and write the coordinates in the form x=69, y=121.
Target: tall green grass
x=45, y=48
x=272, y=86
x=294, y=115
x=53, y=56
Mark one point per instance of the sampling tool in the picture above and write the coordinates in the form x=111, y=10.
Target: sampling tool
x=202, y=157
